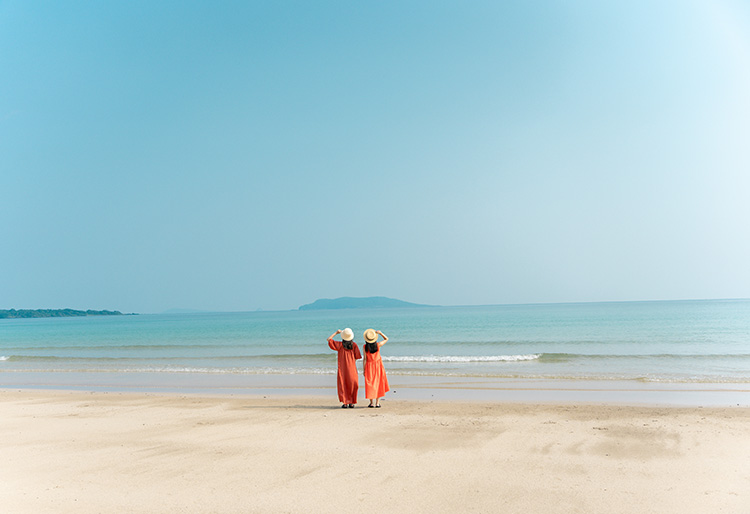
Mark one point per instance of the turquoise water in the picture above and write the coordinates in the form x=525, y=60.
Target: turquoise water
x=675, y=342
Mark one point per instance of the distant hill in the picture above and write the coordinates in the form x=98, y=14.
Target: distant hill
x=53, y=313
x=347, y=302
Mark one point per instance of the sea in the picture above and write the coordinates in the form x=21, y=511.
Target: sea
x=701, y=345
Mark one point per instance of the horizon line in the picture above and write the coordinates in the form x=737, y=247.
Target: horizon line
x=428, y=306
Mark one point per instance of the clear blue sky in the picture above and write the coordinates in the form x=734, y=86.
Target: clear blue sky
x=262, y=154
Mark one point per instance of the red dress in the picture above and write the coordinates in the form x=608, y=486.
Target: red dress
x=348, y=379
x=376, y=383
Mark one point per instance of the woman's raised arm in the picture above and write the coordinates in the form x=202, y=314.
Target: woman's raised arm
x=331, y=343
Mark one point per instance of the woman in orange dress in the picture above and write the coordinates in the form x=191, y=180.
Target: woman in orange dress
x=376, y=383
x=348, y=379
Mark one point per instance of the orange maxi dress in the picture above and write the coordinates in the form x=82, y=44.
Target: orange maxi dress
x=348, y=379
x=376, y=383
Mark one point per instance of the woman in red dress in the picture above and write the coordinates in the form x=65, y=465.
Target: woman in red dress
x=376, y=383
x=348, y=379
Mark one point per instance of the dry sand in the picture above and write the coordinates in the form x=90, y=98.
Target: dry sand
x=109, y=452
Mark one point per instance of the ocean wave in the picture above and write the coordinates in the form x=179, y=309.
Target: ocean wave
x=186, y=370
x=145, y=346
x=593, y=377
x=325, y=358
x=565, y=357
x=321, y=358
x=234, y=371
x=462, y=358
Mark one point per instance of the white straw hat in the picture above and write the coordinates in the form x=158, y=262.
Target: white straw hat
x=370, y=336
x=347, y=334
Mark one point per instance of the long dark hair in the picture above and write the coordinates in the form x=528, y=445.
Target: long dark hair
x=347, y=345
x=372, y=347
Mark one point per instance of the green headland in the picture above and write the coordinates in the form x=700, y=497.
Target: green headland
x=347, y=302
x=53, y=313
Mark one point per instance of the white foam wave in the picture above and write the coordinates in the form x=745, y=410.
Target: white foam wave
x=4, y=357
x=462, y=358
x=188, y=370
x=233, y=371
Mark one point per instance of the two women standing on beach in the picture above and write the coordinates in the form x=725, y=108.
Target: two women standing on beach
x=347, y=383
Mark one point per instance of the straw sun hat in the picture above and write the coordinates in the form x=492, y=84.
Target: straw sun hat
x=370, y=336
x=347, y=334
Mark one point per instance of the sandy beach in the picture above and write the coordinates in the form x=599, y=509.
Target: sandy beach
x=135, y=452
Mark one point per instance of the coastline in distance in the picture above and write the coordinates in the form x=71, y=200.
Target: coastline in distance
x=348, y=302
x=53, y=313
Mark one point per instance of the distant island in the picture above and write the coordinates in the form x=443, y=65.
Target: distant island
x=347, y=302
x=53, y=313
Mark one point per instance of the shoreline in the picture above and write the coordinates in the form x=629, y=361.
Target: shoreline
x=413, y=388
x=86, y=452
